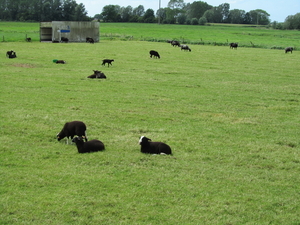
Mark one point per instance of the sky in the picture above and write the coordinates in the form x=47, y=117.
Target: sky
x=278, y=9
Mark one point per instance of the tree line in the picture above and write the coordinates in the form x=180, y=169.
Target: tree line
x=197, y=12
x=176, y=12
x=42, y=10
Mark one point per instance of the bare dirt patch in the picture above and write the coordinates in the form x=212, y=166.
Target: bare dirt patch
x=23, y=65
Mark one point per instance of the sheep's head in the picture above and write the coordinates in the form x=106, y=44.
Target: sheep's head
x=143, y=140
x=58, y=137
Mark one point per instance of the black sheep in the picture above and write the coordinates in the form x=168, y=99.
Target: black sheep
x=154, y=53
x=97, y=74
x=71, y=129
x=289, y=49
x=154, y=147
x=64, y=39
x=89, y=146
x=108, y=61
x=175, y=43
x=11, y=54
x=233, y=45
x=90, y=40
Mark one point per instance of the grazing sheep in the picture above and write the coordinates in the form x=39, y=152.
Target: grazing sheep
x=175, y=43
x=28, y=39
x=289, y=49
x=154, y=53
x=97, y=74
x=89, y=146
x=185, y=47
x=154, y=147
x=60, y=62
x=233, y=45
x=71, y=129
x=64, y=39
x=108, y=61
x=90, y=40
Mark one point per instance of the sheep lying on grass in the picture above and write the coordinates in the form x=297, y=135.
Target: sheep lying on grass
x=89, y=146
x=97, y=74
x=154, y=147
x=60, y=62
x=71, y=129
x=11, y=54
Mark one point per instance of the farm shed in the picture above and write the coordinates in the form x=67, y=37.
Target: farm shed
x=75, y=31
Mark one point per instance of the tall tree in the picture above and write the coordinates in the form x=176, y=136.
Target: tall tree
x=126, y=13
x=197, y=9
x=236, y=16
x=149, y=16
x=259, y=16
x=110, y=13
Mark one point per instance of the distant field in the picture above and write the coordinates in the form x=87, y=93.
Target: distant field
x=216, y=34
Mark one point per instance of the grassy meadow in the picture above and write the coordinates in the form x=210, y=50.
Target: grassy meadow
x=231, y=118
x=214, y=34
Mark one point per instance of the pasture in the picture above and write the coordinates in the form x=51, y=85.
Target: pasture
x=231, y=118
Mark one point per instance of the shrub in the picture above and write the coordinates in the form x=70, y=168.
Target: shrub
x=194, y=21
x=202, y=20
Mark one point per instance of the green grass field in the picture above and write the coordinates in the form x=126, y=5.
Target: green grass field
x=215, y=34
x=231, y=118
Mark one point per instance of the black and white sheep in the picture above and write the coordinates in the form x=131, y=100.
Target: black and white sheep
x=89, y=146
x=147, y=146
x=97, y=74
x=108, y=61
x=185, y=47
x=28, y=39
x=154, y=53
x=71, y=129
x=289, y=49
x=233, y=45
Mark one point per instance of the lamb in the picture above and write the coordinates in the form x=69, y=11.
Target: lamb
x=89, y=146
x=97, y=74
x=186, y=47
x=28, y=39
x=233, y=45
x=60, y=62
x=154, y=147
x=108, y=61
x=71, y=129
x=154, y=53
x=289, y=49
